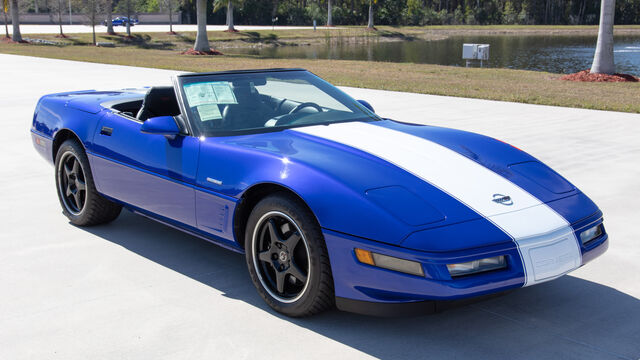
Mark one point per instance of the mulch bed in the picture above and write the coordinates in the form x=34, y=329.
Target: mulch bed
x=586, y=76
x=194, y=52
x=8, y=40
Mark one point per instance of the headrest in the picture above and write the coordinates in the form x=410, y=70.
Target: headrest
x=159, y=101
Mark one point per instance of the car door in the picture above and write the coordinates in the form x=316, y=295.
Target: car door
x=152, y=172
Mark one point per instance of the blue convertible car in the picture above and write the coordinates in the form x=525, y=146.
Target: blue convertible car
x=330, y=203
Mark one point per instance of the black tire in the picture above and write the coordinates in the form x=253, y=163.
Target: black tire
x=294, y=224
x=76, y=190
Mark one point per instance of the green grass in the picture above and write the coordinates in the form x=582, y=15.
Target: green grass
x=160, y=50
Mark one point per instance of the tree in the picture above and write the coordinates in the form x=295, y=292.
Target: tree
x=109, y=5
x=229, y=4
x=329, y=11
x=370, y=23
x=603, y=58
x=15, y=20
x=91, y=9
x=127, y=7
x=5, y=10
x=171, y=6
x=202, y=41
x=57, y=9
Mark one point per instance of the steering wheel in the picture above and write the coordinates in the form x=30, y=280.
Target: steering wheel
x=304, y=105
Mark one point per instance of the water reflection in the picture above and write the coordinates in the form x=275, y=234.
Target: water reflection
x=556, y=54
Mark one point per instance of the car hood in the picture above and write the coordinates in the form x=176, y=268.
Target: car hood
x=420, y=176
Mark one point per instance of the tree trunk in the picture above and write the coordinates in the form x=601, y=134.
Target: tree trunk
x=35, y=6
x=202, y=40
x=603, y=59
x=230, y=27
x=170, y=17
x=60, y=7
x=329, y=19
x=6, y=26
x=109, y=5
x=94, y=19
x=274, y=10
x=128, y=18
x=15, y=20
x=370, y=24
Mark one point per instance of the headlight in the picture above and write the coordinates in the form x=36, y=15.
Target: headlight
x=389, y=262
x=591, y=234
x=477, y=266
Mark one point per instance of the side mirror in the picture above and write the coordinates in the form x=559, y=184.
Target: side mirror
x=367, y=105
x=161, y=125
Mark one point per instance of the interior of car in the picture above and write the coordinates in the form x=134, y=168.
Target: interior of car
x=218, y=106
x=252, y=109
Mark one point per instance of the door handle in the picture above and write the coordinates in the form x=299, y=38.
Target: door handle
x=106, y=131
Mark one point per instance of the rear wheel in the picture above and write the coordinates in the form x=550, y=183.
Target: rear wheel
x=77, y=193
x=287, y=257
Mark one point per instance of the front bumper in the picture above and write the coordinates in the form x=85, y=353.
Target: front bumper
x=364, y=288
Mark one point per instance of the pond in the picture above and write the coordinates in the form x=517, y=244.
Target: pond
x=551, y=53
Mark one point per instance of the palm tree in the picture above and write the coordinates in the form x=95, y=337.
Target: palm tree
x=229, y=4
x=15, y=20
x=603, y=59
x=370, y=24
x=202, y=40
x=329, y=11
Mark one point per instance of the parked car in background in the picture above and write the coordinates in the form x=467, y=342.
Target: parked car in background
x=122, y=21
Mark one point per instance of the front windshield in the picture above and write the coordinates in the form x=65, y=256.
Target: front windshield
x=225, y=104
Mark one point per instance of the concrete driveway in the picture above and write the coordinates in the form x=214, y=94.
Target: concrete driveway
x=137, y=289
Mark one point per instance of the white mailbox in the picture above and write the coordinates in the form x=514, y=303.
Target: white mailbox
x=475, y=52
x=469, y=51
x=483, y=52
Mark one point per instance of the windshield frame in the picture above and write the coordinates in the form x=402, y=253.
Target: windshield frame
x=179, y=82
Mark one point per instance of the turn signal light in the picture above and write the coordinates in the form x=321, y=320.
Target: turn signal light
x=389, y=262
x=365, y=257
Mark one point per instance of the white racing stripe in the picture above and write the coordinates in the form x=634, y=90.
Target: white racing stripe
x=547, y=244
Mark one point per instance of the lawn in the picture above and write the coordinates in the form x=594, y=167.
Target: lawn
x=146, y=50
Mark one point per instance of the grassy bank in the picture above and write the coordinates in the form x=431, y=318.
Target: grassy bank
x=297, y=37
x=496, y=84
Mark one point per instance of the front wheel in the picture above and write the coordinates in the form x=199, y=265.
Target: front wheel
x=287, y=257
x=77, y=193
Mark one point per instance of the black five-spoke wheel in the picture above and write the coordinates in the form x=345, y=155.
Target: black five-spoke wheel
x=282, y=257
x=287, y=257
x=72, y=183
x=78, y=196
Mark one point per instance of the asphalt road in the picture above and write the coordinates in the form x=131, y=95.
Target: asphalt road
x=137, y=289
